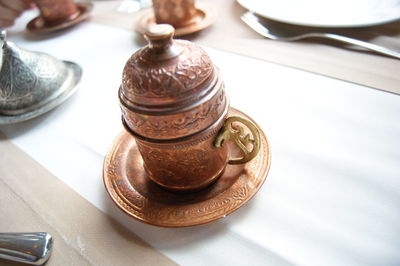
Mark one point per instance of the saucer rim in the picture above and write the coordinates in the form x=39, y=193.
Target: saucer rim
x=85, y=10
x=210, y=16
x=262, y=169
x=77, y=76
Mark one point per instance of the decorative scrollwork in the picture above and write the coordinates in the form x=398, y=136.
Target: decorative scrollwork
x=17, y=80
x=166, y=80
x=182, y=124
x=235, y=132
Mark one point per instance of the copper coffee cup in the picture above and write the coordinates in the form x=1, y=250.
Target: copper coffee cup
x=177, y=13
x=173, y=103
x=57, y=11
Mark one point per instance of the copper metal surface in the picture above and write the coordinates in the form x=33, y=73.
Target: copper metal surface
x=170, y=88
x=40, y=24
x=177, y=13
x=173, y=102
x=56, y=12
x=186, y=164
x=180, y=124
x=204, y=17
x=133, y=192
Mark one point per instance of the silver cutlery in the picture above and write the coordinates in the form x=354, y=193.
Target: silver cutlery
x=30, y=248
x=274, y=32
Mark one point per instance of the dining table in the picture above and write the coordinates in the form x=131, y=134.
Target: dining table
x=332, y=193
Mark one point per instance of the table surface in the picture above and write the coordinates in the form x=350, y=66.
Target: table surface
x=332, y=196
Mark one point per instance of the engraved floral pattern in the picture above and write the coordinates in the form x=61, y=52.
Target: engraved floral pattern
x=176, y=167
x=161, y=213
x=17, y=81
x=28, y=79
x=166, y=80
x=186, y=123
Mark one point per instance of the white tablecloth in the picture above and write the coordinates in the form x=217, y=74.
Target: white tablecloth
x=332, y=196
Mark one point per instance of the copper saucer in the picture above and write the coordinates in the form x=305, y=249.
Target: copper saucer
x=206, y=15
x=38, y=24
x=134, y=193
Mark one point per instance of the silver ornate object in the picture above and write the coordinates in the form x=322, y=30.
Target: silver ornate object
x=29, y=248
x=32, y=83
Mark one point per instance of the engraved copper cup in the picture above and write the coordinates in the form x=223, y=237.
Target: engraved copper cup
x=173, y=103
x=177, y=13
x=57, y=11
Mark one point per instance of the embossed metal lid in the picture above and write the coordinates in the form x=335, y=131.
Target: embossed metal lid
x=167, y=74
x=32, y=82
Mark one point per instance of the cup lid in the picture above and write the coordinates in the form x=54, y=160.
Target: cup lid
x=166, y=73
x=28, y=80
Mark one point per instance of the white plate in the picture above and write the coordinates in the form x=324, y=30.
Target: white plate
x=324, y=13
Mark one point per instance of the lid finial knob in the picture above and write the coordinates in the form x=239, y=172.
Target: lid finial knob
x=160, y=35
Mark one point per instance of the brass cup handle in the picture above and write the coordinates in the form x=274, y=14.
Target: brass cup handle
x=233, y=131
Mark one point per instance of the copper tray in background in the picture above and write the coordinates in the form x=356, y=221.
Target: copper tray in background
x=38, y=24
x=205, y=17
